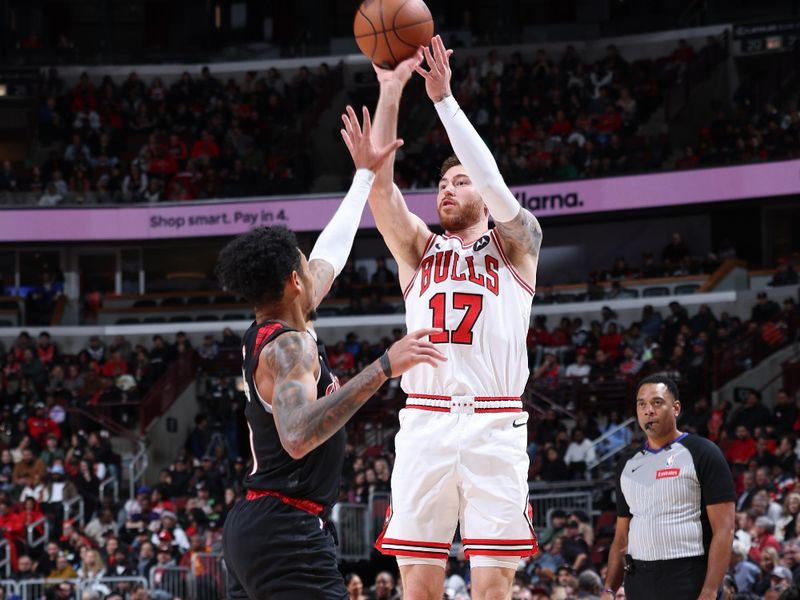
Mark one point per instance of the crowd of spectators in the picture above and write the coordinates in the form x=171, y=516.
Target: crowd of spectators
x=52, y=456
x=681, y=344
x=743, y=132
x=145, y=141
x=545, y=118
x=548, y=118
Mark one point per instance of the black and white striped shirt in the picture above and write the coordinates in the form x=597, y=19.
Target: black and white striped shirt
x=665, y=493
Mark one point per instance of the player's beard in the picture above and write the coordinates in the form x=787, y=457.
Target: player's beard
x=311, y=315
x=468, y=214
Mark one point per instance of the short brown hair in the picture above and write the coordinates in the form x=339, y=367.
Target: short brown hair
x=449, y=163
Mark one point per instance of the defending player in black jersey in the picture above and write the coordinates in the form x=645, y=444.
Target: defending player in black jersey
x=276, y=543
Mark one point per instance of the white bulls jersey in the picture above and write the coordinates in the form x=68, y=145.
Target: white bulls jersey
x=474, y=294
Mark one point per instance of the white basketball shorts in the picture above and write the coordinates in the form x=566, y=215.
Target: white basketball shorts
x=467, y=468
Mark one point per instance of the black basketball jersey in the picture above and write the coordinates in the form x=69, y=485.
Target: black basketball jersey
x=315, y=476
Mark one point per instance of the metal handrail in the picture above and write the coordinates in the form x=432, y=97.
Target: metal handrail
x=550, y=403
x=68, y=504
x=614, y=451
x=613, y=431
x=35, y=541
x=136, y=469
x=110, y=481
x=87, y=584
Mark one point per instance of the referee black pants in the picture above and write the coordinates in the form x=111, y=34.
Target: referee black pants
x=677, y=579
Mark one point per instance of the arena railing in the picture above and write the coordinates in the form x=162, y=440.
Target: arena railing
x=610, y=453
x=74, y=509
x=35, y=589
x=136, y=469
x=38, y=532
x=544, y=504
x=208, y=576
x=167, y=389
x=352, y=522
x=111, y=484
x=171, y=580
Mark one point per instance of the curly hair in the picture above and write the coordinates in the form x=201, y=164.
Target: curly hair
x=257, y=264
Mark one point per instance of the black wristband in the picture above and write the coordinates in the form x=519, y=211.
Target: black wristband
x=386, y=365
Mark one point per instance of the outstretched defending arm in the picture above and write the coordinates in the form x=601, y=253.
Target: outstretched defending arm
x=518, y=228
x=329, y=255
x=304, y=421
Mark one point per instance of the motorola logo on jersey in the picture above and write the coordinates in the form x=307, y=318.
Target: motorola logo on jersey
x=450, y=265
x=481, y=244
x=556, y=201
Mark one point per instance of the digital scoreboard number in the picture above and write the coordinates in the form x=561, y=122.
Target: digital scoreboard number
x=767, y=36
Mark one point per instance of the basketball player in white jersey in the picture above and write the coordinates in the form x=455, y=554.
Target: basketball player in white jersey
x=461, y=456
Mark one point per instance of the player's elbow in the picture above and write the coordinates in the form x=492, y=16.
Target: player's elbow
x=296, y=451
x=294, y=445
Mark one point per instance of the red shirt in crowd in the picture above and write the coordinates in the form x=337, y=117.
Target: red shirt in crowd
x=46, y=354
x=610, y=344
x=114, y=367
x=759, y=543
x=740, y=451
x=205, y=148
x=40, y=427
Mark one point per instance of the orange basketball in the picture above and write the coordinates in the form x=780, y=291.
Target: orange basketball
x=389, y=31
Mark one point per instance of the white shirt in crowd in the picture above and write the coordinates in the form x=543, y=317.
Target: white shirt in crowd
x=583, y=452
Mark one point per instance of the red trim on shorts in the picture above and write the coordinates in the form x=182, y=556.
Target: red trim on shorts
x=429, y=396
x=477, y=399
x=431, y=408
x=428, y=245
x=416, y=554
x=423, y=549
x=496, y=542
x=531, y=550
x=437, y=545
x=511, y=268
x=309, y=506
x=520, y=553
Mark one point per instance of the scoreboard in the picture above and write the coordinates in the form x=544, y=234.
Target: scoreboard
x=767, y=36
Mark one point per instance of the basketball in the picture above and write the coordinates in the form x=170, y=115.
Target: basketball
x=390, y=31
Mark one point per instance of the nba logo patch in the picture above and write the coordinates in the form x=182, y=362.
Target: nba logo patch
x=670, y=460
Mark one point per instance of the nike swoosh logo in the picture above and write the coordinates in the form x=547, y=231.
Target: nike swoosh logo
x=515, y=424
x=634, y=469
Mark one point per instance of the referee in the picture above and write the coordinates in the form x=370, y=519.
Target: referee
x=675, y=508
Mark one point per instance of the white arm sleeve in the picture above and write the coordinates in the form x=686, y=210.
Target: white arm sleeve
x=336, y=240
x=478, y=161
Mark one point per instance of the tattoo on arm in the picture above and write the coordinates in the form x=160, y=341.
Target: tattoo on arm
x=304, y=422
x=323, y=276
x=523, y=232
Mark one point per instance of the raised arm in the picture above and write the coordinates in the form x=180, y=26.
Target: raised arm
x=333, y=245
x=405, y=233
x=518, y=229
x=304, y=421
